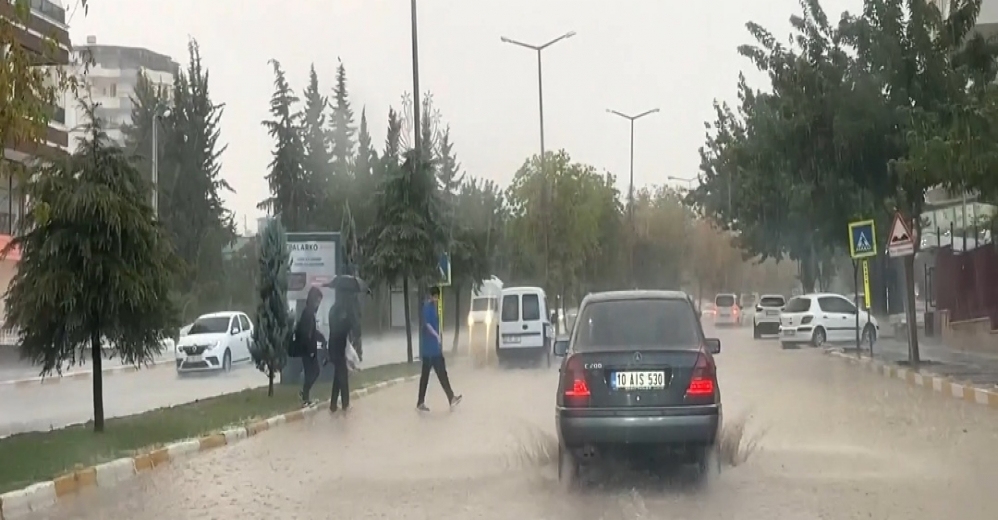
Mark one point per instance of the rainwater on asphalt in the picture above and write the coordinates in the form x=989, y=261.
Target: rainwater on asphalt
x=835, y=442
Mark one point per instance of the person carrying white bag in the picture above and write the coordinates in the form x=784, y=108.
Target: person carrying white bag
x=346, y=351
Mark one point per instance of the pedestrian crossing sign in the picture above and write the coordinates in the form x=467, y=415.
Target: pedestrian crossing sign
x=862, y=239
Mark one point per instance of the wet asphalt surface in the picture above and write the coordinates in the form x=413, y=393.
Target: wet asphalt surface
x=835, y=442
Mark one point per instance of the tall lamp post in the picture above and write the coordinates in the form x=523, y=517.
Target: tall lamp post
x=157, y=115
x=630, y=184
x=540, y=98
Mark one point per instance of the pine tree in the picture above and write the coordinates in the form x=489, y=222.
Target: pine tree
x=96, y=270
x=290, y=197
x=408, y=236
x=449, y=172
x=273, y=318
x=393, y=139
x=366, y=156
x=198, y=220
x=147, y=100
x=317, y=165
x=341, y=125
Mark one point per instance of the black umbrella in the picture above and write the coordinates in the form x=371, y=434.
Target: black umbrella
x=348, y=284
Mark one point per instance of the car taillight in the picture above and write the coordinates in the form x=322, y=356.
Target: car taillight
x=735, y=310
x=704, y=376
x=576, y=388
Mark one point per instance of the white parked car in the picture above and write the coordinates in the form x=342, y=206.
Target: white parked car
x=214, y=342
x=766, y=318
x=824, y=318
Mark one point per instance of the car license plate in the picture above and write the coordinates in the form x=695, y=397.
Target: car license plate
x=789, y=332
x=511, y=339
x=772, y=313
x=194, y=359
x=638, y=380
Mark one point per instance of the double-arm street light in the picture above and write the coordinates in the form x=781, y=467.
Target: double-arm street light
x=630, y=183
x=540, y=98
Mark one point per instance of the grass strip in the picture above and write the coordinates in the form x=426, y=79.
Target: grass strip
x=32, y=457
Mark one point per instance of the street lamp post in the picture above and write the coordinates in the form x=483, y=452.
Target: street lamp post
x=156, y=115
x=540, y=103
x=416, y=130
x=630, y=184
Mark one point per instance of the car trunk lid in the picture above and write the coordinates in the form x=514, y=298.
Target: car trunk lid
x=639, y=377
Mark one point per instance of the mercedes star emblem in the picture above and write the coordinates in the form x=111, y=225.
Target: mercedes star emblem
x=637, y=357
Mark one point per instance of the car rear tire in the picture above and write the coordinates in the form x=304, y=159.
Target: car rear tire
x=568, y=468
x=755, y=332
x=818, y=338
x=227, y=362
x=786, y=346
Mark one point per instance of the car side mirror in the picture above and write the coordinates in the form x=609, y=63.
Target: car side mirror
x=713, y=345
x=234, y=332
x=561, y=347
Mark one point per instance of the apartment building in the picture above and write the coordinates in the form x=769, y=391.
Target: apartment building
x=110, y=82
x=45, y=24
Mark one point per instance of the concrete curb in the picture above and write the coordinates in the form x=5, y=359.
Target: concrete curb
x=81, y=375
x=43, y=495
x=935, y=383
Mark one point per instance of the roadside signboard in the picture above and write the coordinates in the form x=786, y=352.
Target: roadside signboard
x=901, y=241
x=862, y=239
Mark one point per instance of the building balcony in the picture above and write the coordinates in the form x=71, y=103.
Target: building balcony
x=46, y=23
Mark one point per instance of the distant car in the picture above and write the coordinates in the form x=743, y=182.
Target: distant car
x=766, y=319
x=524, y=328
x=638, y=377
x=822, y=318
x=214, y=342
x=727, y=311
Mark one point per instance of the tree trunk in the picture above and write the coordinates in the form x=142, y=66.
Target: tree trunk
x=457, y=317
x=270, y=382
x=98, y=382
x=408, y=319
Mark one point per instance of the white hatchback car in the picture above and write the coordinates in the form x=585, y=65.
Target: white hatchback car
x=766, y=319
x=825, y=318
x=214, y=342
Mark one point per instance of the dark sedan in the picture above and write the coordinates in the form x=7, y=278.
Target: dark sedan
x=638, y=378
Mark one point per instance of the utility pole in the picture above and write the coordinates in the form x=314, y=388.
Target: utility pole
x=630, y=190
x=416, y=127
x=540, y=98
x=157, y=114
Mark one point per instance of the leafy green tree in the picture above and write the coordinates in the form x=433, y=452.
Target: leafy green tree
x=473, y=228
x=96, y=269
x=317, y=163
x=273, y=319
x=408, y=234
x=199, y=222
x=290, y=195
x=341, y=128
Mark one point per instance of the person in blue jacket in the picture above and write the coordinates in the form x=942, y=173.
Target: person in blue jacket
x=431, y=353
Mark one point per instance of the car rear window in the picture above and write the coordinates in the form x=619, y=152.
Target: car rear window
x=483, y=304
x=798, y=305
x=725, y=300
x=531, y=307
x=625, y=324
x=511, y=307
x=772, y=301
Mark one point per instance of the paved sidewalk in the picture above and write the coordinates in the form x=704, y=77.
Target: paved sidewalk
x=976, y=368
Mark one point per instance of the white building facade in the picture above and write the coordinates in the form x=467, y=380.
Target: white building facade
x=110, y=82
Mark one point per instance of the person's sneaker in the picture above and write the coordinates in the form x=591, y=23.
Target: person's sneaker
x=422, y=407
x=456, y=400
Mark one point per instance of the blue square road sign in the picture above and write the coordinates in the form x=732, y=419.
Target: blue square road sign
x=862, y=239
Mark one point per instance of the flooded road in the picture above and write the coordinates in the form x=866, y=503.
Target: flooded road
x=835, y=442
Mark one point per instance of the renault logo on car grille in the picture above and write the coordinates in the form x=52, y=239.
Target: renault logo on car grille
x=637, y=357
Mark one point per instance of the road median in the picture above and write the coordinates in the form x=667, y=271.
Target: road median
x=78, y=459
x=78, y=375
x=985, y=395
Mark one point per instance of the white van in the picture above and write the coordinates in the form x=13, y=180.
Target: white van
x=524, y=324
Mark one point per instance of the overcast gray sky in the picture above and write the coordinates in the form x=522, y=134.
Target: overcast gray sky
x=629, y=55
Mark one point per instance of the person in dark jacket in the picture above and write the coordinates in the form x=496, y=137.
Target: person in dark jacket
x=307, y=333
x=431, y=353
x=344, y=326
